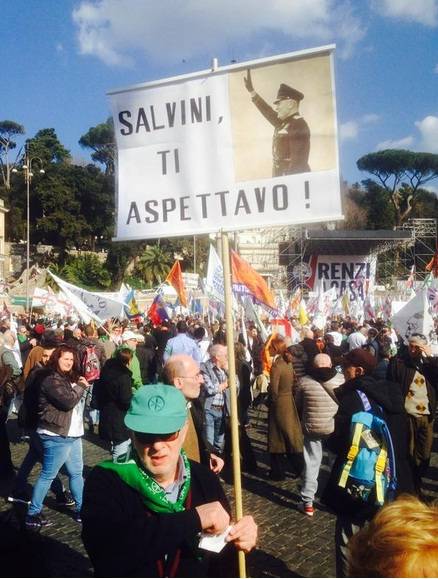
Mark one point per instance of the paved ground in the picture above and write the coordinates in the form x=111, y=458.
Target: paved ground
x=291, y=544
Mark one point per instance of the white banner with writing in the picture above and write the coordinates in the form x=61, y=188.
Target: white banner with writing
x=354, y=274
x=248, y=145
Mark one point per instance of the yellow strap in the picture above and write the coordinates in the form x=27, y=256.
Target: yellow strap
x=381, y=461
x=380, y=467
x=352, y=453
x=357, y=434
x=379, y=489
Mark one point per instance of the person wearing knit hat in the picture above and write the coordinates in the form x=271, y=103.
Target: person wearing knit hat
x=291, y=140
x=142, y=516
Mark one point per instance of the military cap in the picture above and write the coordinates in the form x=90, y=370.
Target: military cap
x=287, y=92
x=157, y=409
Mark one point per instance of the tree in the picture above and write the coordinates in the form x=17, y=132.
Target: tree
x=121, y=259
x=56, y=213
x=355, y=213
x=87, y=271
x=376, y=201
x=101, y=140
x=46, y=145
x=8, y=130
x=184, y=248
x=94, y=191
x=401, y=173
x=153, y=265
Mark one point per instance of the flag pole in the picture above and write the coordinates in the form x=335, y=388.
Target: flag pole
x=233, y=390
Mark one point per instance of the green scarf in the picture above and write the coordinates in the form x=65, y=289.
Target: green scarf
x=132, y=473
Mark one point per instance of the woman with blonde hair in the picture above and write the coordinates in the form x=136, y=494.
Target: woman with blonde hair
x=401, y=541
x=284, y=429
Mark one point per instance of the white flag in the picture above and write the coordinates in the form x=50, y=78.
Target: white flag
x=214, y=284
x=99, y=304
x=414, y=318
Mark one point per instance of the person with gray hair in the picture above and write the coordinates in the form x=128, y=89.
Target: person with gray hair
x=9, y=356
x=215, y=395
x=316, y=402
x=183, y=372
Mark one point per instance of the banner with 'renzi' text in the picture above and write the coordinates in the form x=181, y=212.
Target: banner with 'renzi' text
x=352, y=274
x=247, y=145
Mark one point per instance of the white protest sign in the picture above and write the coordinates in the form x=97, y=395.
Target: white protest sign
x=414, y=318
x=354, y=274
x=214, y=150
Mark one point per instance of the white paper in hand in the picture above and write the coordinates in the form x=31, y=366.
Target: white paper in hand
x=214, y=543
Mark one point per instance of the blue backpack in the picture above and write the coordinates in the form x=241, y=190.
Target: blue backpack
x=369, y=473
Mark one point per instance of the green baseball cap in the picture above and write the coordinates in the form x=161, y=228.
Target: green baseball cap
x=157, y=409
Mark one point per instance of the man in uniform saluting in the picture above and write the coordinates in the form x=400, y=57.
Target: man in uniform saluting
x=291, y=140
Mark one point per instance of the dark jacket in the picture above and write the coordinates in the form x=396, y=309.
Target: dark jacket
x=148, y=363
x=198, y=416
x=114, y=397
x=123, y=538
x=57, y=399
x=28, y=414
x=402, y=369
x=387, y=396
x=310, y=347
x=244, y=375
x=255, y=351
x=290, y=143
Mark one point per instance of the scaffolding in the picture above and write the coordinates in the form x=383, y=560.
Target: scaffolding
x=281, y=253
x=423, y=246
x=386, y=245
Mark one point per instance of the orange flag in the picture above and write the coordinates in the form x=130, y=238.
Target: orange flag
x=432, y=266
x=247, y=281
x=175, y=279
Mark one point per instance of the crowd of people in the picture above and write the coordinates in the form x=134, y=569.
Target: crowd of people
x=159, y=398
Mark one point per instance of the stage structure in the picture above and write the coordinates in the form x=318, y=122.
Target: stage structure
x=423, y=247
x=296, y=253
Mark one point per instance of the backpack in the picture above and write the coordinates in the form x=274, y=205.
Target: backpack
x=90, y=365
x=369, y=473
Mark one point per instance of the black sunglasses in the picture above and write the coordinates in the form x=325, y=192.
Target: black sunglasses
x=148, y=439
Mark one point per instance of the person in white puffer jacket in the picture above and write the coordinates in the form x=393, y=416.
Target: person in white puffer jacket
x=315, y=399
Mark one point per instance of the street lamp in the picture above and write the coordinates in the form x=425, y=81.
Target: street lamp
x=27, y=168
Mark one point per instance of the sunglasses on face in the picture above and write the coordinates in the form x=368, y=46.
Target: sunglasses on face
x=149, y=439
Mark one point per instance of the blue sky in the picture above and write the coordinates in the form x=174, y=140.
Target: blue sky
x=60, y=57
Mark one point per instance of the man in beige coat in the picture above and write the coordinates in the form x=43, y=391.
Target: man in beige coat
x=316, y=401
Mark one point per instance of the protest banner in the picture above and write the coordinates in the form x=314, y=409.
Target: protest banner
x=352, y=274
x=102, y=307
x=214, y=150
x=414, y=318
